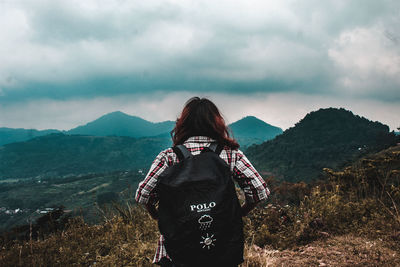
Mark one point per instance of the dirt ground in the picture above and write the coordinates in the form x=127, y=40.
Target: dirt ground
x=335, y=251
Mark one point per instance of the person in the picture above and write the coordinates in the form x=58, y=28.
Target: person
x=199, y=125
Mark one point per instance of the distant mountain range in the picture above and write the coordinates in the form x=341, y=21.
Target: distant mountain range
x=251, y=130
x=248, y=130
x=325, y=138
x=104, y=145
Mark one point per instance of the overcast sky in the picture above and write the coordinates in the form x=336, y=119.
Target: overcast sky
x=64, y=63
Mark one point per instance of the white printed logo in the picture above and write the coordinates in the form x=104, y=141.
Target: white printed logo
x=202, y=207
x=205, y=222
x=208, y=241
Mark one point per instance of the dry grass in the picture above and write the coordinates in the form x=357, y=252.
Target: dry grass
x=118, y=242
x=113, y=243
x=347, y=250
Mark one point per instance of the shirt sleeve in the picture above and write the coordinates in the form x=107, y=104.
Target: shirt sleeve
x=251, y=182
x=145, y=192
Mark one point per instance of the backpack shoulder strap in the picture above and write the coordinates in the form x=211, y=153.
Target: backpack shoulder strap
x=215, y=147
x=219, y=149
x=182, y=152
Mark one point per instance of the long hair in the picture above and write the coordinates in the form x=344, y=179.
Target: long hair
x=200, y=116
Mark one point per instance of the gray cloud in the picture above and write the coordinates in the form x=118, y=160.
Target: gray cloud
x=77, y=49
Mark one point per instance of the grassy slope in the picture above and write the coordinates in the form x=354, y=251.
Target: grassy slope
x=117, y=243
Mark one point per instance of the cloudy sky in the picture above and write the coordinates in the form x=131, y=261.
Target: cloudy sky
x=64, y=62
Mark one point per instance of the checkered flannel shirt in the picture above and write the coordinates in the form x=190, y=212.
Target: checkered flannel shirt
x=249, y=180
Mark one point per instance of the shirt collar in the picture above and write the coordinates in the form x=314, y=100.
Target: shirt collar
x=199, y=139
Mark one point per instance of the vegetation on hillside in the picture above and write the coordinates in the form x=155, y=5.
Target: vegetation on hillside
x=327, y=138
x=351, y=219
x=60, y=154
x=10, y=135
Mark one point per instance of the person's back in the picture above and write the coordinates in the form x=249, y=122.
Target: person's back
x=197, y=139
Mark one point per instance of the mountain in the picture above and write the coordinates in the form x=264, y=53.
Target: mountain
x=325, y=138
x=60, y=154
x=120, y=124
x=251, y=130
x=247, y=131
x=9, y=135
x=102, y=150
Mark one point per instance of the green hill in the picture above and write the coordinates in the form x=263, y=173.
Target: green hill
x=10, y=135
x=251, y=130
x=325, y=138
x=121, y=124
x=60, y=154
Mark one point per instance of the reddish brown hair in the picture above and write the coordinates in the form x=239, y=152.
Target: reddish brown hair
x=200, y=116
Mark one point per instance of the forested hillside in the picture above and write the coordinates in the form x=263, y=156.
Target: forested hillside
x=10, y=135
x=60, y=154
x=324, y=138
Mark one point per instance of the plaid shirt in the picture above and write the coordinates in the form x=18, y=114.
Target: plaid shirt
x=249, y=180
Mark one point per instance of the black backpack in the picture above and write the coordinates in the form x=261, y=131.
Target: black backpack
x=199, y=212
